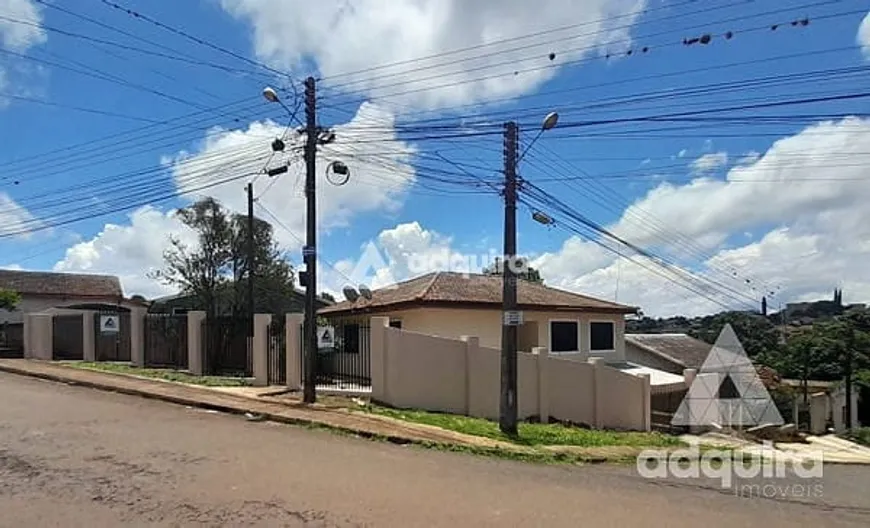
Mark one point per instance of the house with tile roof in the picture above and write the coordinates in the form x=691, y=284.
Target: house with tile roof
x=668, y=352
x=449, y=304
x=43, y=291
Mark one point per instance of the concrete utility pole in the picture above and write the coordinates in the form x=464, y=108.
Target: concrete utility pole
x=251, y=259
x=508, y=401
x=309, y=252
x=850, y=351
x=314, y=136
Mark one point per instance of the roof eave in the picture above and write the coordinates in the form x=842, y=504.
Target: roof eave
x=399, y=305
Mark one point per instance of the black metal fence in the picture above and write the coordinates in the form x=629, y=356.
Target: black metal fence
x=277, y=365
x=11, y=340
x=346, y=365
x=67, y=337
x=166, y=341
x=227, y=346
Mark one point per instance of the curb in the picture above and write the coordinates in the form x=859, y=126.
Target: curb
x=242, y=410
x=237, y=410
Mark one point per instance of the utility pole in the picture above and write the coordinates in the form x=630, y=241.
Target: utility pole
x=309, y=252
x=850, y=344
x=508, y=401
x=251, y=259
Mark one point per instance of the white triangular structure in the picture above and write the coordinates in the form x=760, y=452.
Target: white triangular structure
x=702, y=405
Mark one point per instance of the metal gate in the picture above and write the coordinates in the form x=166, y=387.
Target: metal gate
x=67, y=337
x=112, y=336
x=277, y=365
x=11, y=340
x=227, y=346
x=348, y=364
x=663, y=406
x=166, y=341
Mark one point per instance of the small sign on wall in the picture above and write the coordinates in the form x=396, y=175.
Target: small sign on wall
x=325, y=337
x=513, y=318
x=110, y=324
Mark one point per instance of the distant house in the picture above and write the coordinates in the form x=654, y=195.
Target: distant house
x=669, y=352
x=451, y=305
x=183, y=303
x=45, y=291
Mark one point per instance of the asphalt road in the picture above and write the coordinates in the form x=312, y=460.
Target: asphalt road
x=71, y=456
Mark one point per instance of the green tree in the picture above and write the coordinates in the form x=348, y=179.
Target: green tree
x=215, y=270
x=9, y=300
x=530, y=274
x=328, y=297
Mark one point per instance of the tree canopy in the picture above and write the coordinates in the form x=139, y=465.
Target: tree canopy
x=529, y=274
x=9, y=300
x=815, y=351
x=215, y=271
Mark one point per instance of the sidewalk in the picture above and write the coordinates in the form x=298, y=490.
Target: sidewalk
x=236, y=402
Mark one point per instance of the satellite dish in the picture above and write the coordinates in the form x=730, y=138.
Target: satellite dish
x=365, y=292
x=350, y=294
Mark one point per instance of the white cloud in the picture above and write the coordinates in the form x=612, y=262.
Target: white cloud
x=380, y=170
x=405, y=251
x=377, y=183
x=341, y=37
x=863, y=36
x=709, y=162
x=819, y=240
x=20, y=37
x=14, y=218
x=130, y=251
x=749, y=158
x=17, y=38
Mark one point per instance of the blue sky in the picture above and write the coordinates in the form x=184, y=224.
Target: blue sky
x=89, y=127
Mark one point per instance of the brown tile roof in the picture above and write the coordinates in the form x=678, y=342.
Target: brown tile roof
x=680, y=348
x=60, y=284
x=450, y=288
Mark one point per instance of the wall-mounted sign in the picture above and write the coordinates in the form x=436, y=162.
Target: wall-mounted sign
x=325, y=337
x=110, y=324
x=513, y=318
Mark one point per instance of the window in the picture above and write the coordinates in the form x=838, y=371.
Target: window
x=396, y=323
x=601, y=336
x=350, y=340
x=179, y=311
x=564, y=336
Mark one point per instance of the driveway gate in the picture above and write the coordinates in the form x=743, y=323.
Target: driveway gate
x=166, y=341
x=348, y=364
x=67, y=337
x=227, y=346
x=112, y=336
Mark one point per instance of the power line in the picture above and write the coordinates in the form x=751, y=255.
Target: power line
x=511, y=63
x=497, y=42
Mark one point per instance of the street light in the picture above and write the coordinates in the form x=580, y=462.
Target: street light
x=314, y=135
x=271, y=95
x=548, y=123
x=511, y=316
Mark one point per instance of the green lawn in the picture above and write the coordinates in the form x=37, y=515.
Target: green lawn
x=531, y=434
x=162, y=374
x=860, y=435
